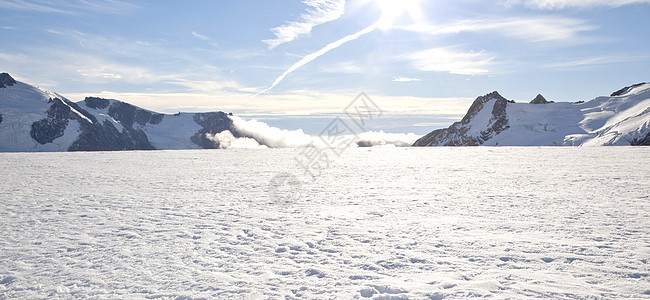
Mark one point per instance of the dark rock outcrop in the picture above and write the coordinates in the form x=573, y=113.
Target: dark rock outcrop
x=540, y=100
x=133, y=137
x=93, y=135
x=645, y=141
x=105, y=137
x=457, y=133
x=96, y=103
x=110, y=125
x=128, y=114
x=48, y=129
x=6, y=80
x=626, y=89
x=212, y=123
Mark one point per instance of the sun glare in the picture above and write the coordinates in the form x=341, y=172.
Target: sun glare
x=392, y=10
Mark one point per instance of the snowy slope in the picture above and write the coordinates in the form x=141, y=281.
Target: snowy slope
x=21, y=105
x=620, y=119
x=32, y=119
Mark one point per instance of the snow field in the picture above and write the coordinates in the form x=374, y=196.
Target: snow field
x=380, y=223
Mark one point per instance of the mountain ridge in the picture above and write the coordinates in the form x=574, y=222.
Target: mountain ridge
x=32, y=119
x=620, y=119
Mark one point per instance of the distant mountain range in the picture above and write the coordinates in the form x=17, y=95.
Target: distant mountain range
x=32, y=119
x=623, y=118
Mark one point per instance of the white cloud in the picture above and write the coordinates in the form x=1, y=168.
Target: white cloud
x=272, y=136
x=405, y=79
x=348, y=67
x=450, y=60
x=596, y=60
x=534, y=29
x=380, y=138
x=561, y=4
x=298, y=104
x=70, y=6
x=319, y=12
x=97, y=70
x=200, y=36
x=14, y=58
x=227, y=140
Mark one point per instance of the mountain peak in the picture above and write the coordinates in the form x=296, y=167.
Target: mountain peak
x=6, y=80
x=540, y=100
x=626, y=89
x=493, y=95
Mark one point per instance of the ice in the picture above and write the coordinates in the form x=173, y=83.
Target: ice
x=380, y=223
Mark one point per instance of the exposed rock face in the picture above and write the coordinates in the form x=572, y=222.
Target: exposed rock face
x=465, y=132
x=99, y=124
x=47, y=130
x=642, y=142
x=93, y=136
x=105, y=137
x=626, y=89
x=6, y=80
x=212, y=123
x=540, y=100
x=96, y=103
x=133, y=119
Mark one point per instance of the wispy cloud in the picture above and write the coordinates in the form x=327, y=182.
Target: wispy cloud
x=596, y=60
x=310, y=57
x=561, y=4
x=348, y=67
x=450, y=60
x=14, y=58
x=405, y=79
x=70, y=6
x=200, y=36
x=534, y=29
x=319, y=12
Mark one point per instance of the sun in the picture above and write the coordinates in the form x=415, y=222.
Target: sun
x=392, y=10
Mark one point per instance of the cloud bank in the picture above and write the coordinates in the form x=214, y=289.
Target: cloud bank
x=272, y=137
x=227, y=140
x=261, y=135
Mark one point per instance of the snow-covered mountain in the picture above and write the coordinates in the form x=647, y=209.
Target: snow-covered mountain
x=32, y=119
x=620, y=119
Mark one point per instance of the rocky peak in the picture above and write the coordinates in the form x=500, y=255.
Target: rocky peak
x=6, y=80
x=478, y=104
x=540, y=100
x=626, y=89
x=461, y=134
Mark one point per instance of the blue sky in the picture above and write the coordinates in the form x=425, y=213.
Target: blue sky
x=422, y=61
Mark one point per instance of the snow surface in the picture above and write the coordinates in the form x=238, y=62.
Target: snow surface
x=380, y=223
x=482, y=119
x=20, y=106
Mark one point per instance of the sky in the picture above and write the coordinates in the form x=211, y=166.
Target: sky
x=297, y=64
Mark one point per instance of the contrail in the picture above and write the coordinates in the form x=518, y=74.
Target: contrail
x=307, y=59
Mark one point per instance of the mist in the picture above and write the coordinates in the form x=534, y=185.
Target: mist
x=259, y=134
